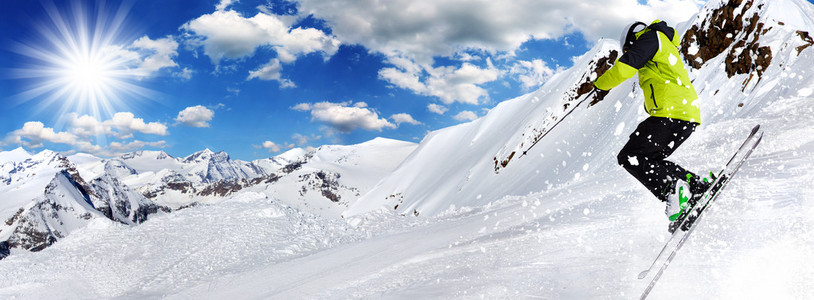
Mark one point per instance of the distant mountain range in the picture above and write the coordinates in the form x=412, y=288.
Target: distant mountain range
x=46, y=196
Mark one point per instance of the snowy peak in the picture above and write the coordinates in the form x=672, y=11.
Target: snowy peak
x=18, y=154
x=118, y=168
x=120, y=203
x=48, y=157
x=158, y=155
x=69, y=184
x=220, y=157
x=200, y=156
x=63, y=206
x=296, y=154
x=26, y=170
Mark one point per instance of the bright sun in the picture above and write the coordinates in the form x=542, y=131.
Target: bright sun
x=78, y=66
x=88, y=74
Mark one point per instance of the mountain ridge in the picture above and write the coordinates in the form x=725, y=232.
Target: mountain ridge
x=48, y=190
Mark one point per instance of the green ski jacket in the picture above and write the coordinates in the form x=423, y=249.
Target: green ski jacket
x=665, y=83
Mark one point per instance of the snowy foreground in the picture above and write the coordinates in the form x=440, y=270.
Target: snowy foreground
x=584, y=240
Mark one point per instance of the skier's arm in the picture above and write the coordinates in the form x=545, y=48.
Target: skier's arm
x=631, y=61
x=615, y=76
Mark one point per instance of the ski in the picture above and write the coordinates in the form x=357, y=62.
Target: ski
x=681, y=236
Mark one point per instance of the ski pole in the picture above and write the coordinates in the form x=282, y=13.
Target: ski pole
x=558, y=122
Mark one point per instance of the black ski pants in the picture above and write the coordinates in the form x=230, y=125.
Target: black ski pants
x=644, y=155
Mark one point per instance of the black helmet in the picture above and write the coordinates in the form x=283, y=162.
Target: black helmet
x=629, y=34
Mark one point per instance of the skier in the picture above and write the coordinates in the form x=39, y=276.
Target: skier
x=4, y=251
x=652, y=51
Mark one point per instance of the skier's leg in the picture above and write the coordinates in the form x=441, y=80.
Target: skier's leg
x=681, y=130
x=674, y=134
x=643, y=156
x=639, y=155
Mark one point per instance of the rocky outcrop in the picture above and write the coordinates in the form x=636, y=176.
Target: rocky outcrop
x=729, y=29
x=119, y=202
x=326, y=183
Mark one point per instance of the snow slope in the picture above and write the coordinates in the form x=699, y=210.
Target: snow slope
x=459, y=165
x=456, y=166
x=583, y=236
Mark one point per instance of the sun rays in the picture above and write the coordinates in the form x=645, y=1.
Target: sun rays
x=78, y=64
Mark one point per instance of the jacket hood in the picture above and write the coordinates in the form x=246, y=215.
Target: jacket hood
x=670, y=32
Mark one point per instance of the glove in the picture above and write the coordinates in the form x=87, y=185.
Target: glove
x=599, y=93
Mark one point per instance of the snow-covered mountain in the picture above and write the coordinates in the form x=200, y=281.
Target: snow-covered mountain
x=476, y=163
x=330, y=179
x=562, y=222
x=745, y=55
x=49, y=195
x=45, y=198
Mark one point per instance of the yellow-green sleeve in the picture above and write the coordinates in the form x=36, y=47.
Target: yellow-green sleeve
x=615, y=76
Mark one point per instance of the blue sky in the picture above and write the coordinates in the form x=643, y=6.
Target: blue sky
x=256, y=78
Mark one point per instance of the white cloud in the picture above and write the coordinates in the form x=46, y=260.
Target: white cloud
x=145, y=57
x=126, y=123
x=449, y=84
x=531, y=73
x=465, y=116
x=185, y=74
x=224, y=4
x=195, y=116
x=227, y=34
x=271, y=71
x=122, y=125
x=461, y=84
x=81, y=130
x=157, y=54
x=405, y=74
x=33, y=134
x=302, y=107
x=301, y=140
x=218, y=106
x=438, y=109
x=412, y=33
x=135, y=145
x=271, y=146
x=404, y=118
x=86, y=125
x=345, y=117
x=233, y=90
x=423, y=29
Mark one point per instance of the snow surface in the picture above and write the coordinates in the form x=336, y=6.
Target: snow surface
x=563, y=222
